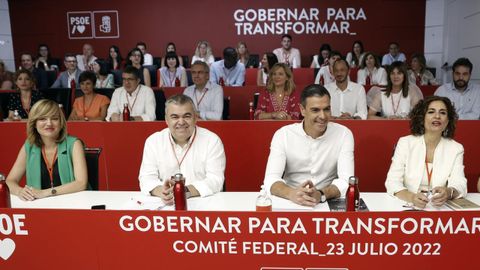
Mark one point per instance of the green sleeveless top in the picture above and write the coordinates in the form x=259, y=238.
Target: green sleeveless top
x=65, y=165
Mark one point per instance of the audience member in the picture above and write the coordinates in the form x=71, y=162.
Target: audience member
x=135, y=59
x=393, y=54
x=85, y=60
x=325, y=74
x=203, y=52
x=147, y=58
x=288, y=55
x=198, y=152
x=115, y=59
x=70, y=76
x=90, y=106
x=311, y=161
x=279, y=101
x=396, y=101
x=6, y=77
x=355, y=56
x=244, y=56
x=427, y=166
x=139, y=98
x=173, y=74
x=347, y=99
x=228, y=71
x=44, y=60
x=23, y=100
x=370, y=72
x=418, y=73
x=53, y=161
x=171, y=48
x=104, y=78
x=464, y=94
x=321, y=59
x=39, y=74
x=207, y=96
x=268, y=60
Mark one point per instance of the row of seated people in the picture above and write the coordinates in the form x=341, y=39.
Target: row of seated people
x=285, y=54
x=309, y=162
x=278, y=101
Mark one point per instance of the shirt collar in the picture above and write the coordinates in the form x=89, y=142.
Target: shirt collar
x=303, y=133
x=346, y=89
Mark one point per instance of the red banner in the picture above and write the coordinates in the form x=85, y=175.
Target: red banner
x=84, y=239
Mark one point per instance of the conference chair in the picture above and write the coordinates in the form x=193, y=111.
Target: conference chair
x=4, y=97
x=117, y=77
x=157, y=61
x=51, y=77
x=92, y=155
x=226, y=109
x=61, y=96
x=160, y=104
x=153, y=74
x=186, y=61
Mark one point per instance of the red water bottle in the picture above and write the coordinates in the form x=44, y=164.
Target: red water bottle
x=179, y=192
x=352, y=198
x=4, y=193
x=250, y=111
x=126, y=112
x=177, y=82
x=221, y=82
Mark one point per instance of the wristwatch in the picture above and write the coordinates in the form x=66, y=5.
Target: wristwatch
x=323, y=198
x=53, y=192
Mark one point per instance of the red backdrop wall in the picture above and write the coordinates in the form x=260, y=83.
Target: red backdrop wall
x=187, y=22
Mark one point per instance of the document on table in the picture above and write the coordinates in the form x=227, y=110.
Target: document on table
x=144, y=202
x=281, y=204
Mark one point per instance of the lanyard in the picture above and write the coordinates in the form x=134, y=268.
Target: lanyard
x=85, y=110
x=429, y=172
x=172, y=78
x=49, y=166
x=398, y=103
x=201, y=98
x=26, y=107
x=135, y=100
x=179, y=162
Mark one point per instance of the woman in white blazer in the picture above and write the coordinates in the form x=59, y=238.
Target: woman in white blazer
x=428, y=165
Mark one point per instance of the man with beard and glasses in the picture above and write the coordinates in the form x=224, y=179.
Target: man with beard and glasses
x=464, y=95
x=182, y=147
x=349, y=100
x=228, y=72
x=310, y=162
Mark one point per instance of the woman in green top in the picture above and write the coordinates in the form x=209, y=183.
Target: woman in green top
x=53, y=161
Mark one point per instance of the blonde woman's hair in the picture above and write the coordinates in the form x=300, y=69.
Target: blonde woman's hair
x=289, y=84
x=209, y=49
x=41, y=109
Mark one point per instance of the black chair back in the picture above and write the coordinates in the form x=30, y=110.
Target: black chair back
x=51, y=77
x=226, y=108
x=160, y=107
x=153, y=74
x=189, y=77
x=186, y=61
x=92, y=155
x=117, y=77
x=61, y=96
x=157, y=61
x=4, y=98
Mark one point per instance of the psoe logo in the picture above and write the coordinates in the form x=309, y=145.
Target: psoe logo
x=10, y=225
x=80, y=24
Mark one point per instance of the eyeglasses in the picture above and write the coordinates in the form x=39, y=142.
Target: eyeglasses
x=129, y=79
x=198, y=72
x=70, y=61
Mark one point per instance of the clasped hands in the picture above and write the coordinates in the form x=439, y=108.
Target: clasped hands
x=438, y=197
x=306, y=194
x=28, y=193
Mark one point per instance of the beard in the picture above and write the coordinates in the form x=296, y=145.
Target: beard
x=460, y=83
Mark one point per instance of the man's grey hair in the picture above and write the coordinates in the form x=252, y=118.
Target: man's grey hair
x=179, y=99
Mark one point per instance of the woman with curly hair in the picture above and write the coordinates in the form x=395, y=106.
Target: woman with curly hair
x=427, y=166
